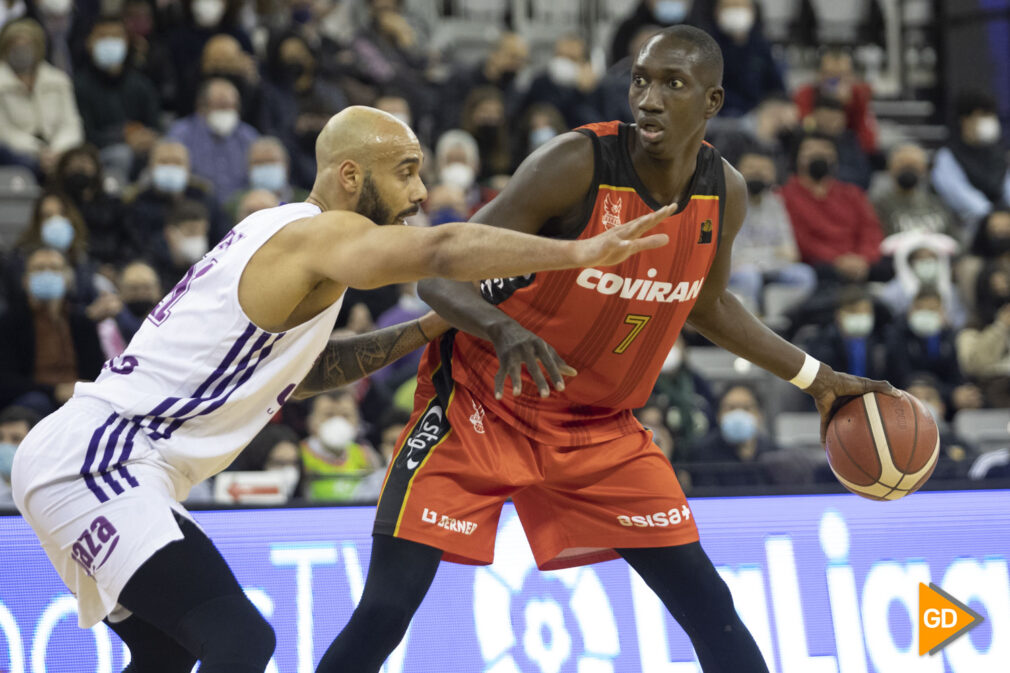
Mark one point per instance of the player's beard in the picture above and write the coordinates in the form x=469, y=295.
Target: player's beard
x=371, y=205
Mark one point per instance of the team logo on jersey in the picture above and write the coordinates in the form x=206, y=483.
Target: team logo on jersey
x=447, y=522
x=477, y=418
x=428, y=432
x=642, y=289
x=94, y=546
x=706, y=232
x=656, y=520
x=612, y=212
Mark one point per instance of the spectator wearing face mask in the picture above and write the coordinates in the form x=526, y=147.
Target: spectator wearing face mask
x=507, y=59
x=119, y=106
x=835, y=226
x=140, y=291
x=993, y=238
x=750, y=73
x=15, y=422
x=38, y=113
x=836, y=78
x=201, y=20
x=661, y=13
x=540, y=124
x=334, y=456
x=223, y=58
x=46, y=345
x=312, y=117
x=970, y=173
x=773, y=127
x=922, y=261
x=850, y=344
x=484, y=119
x=686, y=397
x=569, y=83
x=57, y=224
x=184, y=241
x=983, y=350
x=731, y=453
x=457, y=162
x=80, y=177
x=925, y=342
x=906, y=204
x=765, y=249
x=147, y=51
x=217, y=140
x=274, y=449
x=167, y=182
x=268, y=170
x=828, y=118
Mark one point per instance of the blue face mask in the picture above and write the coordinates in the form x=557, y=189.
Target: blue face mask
x=169, y=178
x=540, y=136
x=47, y=285
x=738, y=426
x=7, y=459
x=57, y=232
x=670, y=11
x=109, y=52
x=271, y=177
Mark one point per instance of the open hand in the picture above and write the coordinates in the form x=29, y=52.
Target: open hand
x=830, y=386
x=619, y=243
x=517, y=346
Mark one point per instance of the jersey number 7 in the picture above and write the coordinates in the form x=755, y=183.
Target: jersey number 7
x=638, y=323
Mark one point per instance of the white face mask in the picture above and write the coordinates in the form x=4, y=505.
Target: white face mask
x=336, y=433
x=208, y=13
x=736, y=20
x=925, y=323
x=459, y=174
x=56, y=7
x=926, y=269
x=222, y=122
x=673, y=360
x=987, y=130
x=192, y=248
x=857, y=324
x=563, y=71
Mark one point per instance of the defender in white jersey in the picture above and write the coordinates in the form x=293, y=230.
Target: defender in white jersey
x=100, y=480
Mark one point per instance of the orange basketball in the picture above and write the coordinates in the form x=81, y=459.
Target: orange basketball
x=883, y=447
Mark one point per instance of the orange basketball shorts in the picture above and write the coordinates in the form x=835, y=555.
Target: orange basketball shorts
x=456, y=465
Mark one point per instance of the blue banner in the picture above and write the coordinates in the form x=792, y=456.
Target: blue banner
x=827, y=584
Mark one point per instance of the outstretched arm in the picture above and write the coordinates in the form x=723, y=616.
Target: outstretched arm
x=348, y=359
x=723, y=320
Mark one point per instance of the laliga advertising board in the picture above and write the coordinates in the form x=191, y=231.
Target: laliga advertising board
x=827, y=584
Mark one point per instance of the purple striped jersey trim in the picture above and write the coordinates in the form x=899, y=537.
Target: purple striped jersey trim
x=233, y=353
x=222, y=393
x=124, y=472
x=90, y=456
x=110, y=449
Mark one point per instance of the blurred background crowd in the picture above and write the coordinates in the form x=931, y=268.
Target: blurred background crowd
x=135, y=133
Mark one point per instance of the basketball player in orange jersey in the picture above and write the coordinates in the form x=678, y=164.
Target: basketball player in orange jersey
x=587, y=481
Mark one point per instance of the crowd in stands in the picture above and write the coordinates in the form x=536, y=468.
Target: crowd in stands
x=151, y=132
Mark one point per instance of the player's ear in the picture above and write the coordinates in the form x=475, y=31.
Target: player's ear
x=716, y=97
x=350, y=176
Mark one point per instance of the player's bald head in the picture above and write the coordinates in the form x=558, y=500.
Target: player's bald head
x=687, y=46
x=365, y=136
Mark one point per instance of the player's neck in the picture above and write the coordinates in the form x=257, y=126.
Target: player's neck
x=667, y=176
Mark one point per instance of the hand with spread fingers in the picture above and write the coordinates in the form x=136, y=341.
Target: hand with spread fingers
x=517, y=346
x=619, y=243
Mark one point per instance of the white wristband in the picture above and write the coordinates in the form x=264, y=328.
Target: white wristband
x=807, y=373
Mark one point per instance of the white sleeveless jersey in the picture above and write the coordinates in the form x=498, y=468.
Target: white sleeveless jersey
x=199, y=380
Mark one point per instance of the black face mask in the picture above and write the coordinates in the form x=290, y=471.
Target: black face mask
x=819, y=168
x=506, y=78
x=998, y=245
x=293, y=71
x=76, y=184
x=907, y=179
x=756, y=187
x=486, y=135
x=141, y=307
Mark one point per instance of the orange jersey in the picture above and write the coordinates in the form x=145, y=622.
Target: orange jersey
x=615, y=325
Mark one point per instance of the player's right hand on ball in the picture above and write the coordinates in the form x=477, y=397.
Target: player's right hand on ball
x=517, y=346
x=619, y=243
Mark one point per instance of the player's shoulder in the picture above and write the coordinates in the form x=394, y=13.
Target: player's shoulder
x=562, y=165
x=736, y=186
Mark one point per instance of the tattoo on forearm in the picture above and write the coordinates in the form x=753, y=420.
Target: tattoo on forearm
x=349, y=359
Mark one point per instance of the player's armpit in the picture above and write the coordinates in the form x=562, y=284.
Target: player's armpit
x=348, y=359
